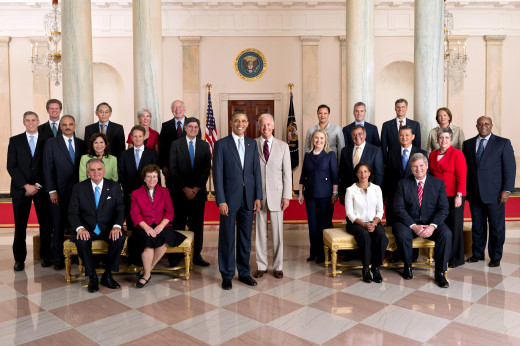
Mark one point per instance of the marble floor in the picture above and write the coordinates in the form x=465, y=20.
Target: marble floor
x=481, y=306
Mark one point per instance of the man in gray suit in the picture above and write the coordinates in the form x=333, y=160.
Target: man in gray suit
x=275, y=166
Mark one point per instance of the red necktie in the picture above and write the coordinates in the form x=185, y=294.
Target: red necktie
x=420, y=191
x=400, y=123
x=266, y=151
x=179, y=129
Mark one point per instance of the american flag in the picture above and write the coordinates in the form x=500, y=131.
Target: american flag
x=211, y=130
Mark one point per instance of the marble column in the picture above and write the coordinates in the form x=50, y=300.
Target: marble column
x=360, y=55
x=41, y=86
x=494, y=80
x=345, y=116
x=147, y=28
x=456, y=84
x=5, y=111
x=190, y=75
x=309, y=83
x=428, y=64
x=78, y=94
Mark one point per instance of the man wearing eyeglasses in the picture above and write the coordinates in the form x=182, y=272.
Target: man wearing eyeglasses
x=114, y=132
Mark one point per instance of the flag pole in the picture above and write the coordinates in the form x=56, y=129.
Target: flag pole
x=291, y=86
x=210, y=195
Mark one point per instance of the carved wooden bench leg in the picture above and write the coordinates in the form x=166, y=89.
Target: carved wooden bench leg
x=430, y=255
x=334, y=261
x=68, y=262
x=187, y=262
x=326, y=248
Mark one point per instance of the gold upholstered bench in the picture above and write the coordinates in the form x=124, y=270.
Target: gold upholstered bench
x=100, y=247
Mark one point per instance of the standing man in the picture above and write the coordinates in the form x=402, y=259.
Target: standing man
x=336, y=139
x=190, y=164
x=114, y=132
x=25, y=166
x=389, y=133
x=51, y=128
x=275, y=166
x=97, y=212
x=371, y=130
x=491, y=178
x=238, y=189
x=421, y=206
x=61, y=160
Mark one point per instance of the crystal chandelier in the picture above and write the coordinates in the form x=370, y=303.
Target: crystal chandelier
x=455, y=58
x=51, y=60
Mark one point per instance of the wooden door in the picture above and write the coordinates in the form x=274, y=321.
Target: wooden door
x=252, y=109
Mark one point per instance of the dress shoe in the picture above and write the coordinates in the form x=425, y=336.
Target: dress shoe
x=200, y=262
x=311, y=258
x=19, y=266
x=376, y=275
x=278, y=274
x=441, y=280
x=108, y=281
x=59, y=265
x=248, y=280
x=45, y=263
x=367, y=277
x=93, y=285
x=140, y=284
x=320, y=259
x=474, y=259
x=227, y=284
x=494, y=263
x=259, y=273
x=407, y=271
x=139, y=274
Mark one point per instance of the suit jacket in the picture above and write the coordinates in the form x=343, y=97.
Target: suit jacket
x=22, y=166
x=183, y=175
x=318, y=175
x=434, y=208
x=371, y=155
x=394, y=170
x=59, y=171
x=167, y=136
x=496, y=171
x=46, y=131
x=277, y=171
x=129, y=174
x=390, y=139
x=83, y=211
x=230, y=180
x=372, y=134
x=115, y=134
x=451, y=169
x=142, y=208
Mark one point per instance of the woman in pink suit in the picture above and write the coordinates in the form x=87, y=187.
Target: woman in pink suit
x=152, y=212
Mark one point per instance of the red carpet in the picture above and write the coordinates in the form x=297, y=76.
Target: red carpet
x=294, y=214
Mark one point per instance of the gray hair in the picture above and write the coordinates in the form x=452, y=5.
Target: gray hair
x=141, y=112
x=445, y=130
x=30, y=113
x=183, y=104
x=95, y=160
x=266, y=115
x=417, y=157
x=359, y=104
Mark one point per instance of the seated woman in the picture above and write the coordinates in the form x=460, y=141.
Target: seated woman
x=98, y=147
x=152, y=212
x=364, y=206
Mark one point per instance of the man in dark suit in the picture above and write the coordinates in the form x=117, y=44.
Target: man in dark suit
x=96, y=212
x=351, y=155
x=51, y=128
x=491, y=178
x=25, y=166
x=190, y=164
x=238, y=189
x=389, y=133
x=420, y=207
x=61, y=160
x=359, y=116
x=114, y=132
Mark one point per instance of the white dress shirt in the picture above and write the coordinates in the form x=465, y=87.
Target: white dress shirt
x=397, y=120
x=362, y=205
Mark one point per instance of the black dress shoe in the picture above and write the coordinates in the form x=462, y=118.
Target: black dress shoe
x=140, y=284
x=367, y=277
x=200, y=262
x=494, y=263
x=376, y=275
x=19, y=266
x=311, y=258
x=45, y=263
x=248, y=280
x=93, y=285
x=227, y=284
x=474, y=259
x=441, y=280
x=108, y=281
x=407, y=272
x=59, y=265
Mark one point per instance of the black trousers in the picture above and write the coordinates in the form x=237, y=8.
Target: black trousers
x=21, y=210
x=481, y=214
x=85, y=251
x=455, y=222
x=60, y=222
x=372, y=245
x=318, y=211
x=190, y=213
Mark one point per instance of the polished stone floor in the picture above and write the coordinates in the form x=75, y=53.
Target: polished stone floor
x=481, y=306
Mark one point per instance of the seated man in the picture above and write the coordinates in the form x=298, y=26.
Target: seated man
x=96, y=212
x=420, y=208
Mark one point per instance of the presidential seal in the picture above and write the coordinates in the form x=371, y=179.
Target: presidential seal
x=250, y=64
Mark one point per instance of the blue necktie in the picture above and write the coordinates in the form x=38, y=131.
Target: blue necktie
x=31, y=145
x=405, y=159
x=480, y=150
x=191, y=149
x=97, y=195
x=71, y=152
x=137, y=158
x=54, y=129
x=241, y=151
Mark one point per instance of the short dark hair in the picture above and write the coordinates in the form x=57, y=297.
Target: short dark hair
x=104, y=104
x=191, y=120
x=401, y=101
x=91, y=151
x=447, y=110
x=139, y=128
x=406, y=127
x=323, y=106
x=358, y=166
x=237, y=112
x=53, y=101
x=31, y=113
x=67, y=116
x=151, y=168
x=355, y=127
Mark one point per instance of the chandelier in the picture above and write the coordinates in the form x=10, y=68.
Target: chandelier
x=455, y=57
x=50, y=61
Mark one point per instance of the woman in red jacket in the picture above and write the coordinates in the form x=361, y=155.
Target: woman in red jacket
x=449, y=164
x=152, y=212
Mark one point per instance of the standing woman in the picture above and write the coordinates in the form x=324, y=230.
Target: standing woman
x=98, y=148
x=444, y=118
x=364, y=206
x=319, y=186
x=449, y=164
x=151, y=137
